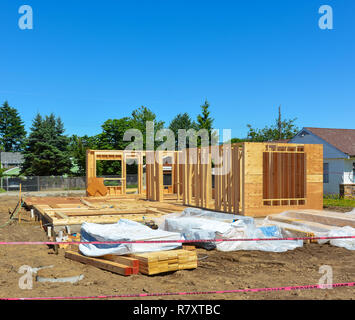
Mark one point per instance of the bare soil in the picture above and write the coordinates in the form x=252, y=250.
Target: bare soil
x=216, y=271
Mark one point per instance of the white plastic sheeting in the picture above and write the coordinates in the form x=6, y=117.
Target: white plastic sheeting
x=195, y=224
x=340, y=232
x=240, y=230
x=124, y=230
x=319, y=230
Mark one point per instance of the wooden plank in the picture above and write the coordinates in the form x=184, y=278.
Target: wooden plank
x=229, y=180
x=224, y=178
x=61, y=215
x=140, y=173
x=189, y=179
x=237, y=179
x=209, y=180
x=101, y=264
x=123, y=173
x=87, y=203
x=127, y=261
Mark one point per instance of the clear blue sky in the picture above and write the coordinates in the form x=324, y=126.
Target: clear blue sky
x=88, y=61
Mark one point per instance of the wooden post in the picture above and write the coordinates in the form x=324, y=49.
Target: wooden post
x=177, y=175
x=123, y=174
x=140, y=173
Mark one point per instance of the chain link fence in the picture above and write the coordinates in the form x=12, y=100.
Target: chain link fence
x=42, y=183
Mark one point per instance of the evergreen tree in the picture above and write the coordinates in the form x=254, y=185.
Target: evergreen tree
x=46, y=152
x=182, y=121
x=279, y=123
x=204, y=121
x=12, y=129
x=78, y=146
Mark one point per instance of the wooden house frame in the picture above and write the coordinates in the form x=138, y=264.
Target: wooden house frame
x=95, y=186
x=253, y=179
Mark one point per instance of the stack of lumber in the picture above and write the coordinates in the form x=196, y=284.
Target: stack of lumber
x=164, y=261
x=147, y=263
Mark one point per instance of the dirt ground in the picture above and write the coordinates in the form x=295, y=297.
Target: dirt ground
x=216, y=271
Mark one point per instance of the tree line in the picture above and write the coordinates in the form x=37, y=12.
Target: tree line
x=48, y=151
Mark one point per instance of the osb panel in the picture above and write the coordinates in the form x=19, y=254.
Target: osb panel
x=314, y=156
x=264, y=211
x=315, y=178
x=314, y=195
x=253, y=178
x=253, y=158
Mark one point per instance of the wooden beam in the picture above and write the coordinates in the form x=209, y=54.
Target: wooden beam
x=102, y=264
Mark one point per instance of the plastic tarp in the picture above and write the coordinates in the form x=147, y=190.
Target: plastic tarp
x=340, y=232
x=195, y=224
x=319, y=230
x=124, y=230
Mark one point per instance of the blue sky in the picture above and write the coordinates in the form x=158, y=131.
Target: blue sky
x=88, y=61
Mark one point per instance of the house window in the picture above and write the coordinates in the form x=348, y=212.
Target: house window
x=353, y=172
x=326, y=173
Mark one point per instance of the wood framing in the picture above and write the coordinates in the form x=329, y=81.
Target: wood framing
x=248, y=178
x=95, y=186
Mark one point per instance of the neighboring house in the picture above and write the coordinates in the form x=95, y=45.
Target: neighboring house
x=338, y=155
x=11, y=159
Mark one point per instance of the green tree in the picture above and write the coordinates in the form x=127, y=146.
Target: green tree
x=182, y=121
x=111, y=138
x=78, y=146
x=113, y=131
x=47, y=148
x=235, y=140
x=12, y=129
x=205, y=121
x=139, y=118
x=281, y=129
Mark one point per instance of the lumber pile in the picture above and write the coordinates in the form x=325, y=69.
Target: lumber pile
x=148, y=263
x=164, y=261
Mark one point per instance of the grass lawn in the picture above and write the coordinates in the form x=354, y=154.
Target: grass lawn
x=132, y=186
x=335, y=201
